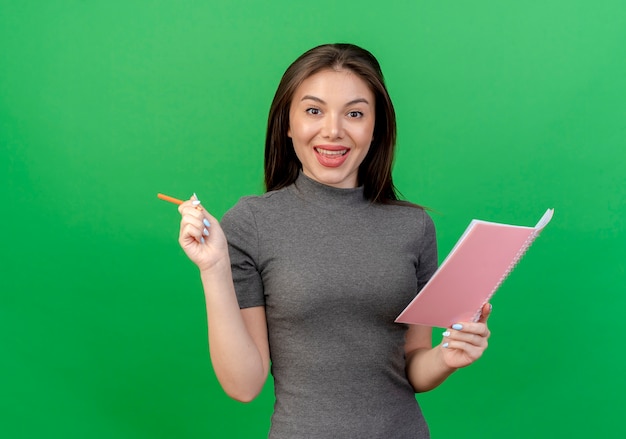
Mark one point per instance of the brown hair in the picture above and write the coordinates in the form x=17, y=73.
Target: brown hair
x=281, y=164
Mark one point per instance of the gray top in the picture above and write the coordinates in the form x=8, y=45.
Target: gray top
x=333, y=272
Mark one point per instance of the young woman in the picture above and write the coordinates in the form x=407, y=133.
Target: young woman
x=312, y=274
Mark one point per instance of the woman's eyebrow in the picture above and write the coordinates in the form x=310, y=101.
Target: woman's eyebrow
x=312, y=98
x=321, y=101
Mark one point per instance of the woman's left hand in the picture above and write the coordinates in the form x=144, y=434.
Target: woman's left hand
x=465, y=342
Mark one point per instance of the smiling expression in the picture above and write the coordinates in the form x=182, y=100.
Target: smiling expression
x=331, y=125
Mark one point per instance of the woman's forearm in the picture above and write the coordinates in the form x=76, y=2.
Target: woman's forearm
x=426, y=368
x=237, y=338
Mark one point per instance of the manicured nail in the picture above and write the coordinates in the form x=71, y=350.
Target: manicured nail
x=195, y=202
x=205, y=232
x=206, y=222
x=445, y=345
x=202, y=240
x=446, y=334
x=457, y=326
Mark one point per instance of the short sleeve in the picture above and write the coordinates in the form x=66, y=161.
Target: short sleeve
x=427, y=259
x=241, y=232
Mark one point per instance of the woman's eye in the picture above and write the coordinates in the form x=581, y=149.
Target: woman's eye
x=313, y=111
x=355, y=114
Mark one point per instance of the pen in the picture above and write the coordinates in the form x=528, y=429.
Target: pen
x=170, y=199
x=164, y=197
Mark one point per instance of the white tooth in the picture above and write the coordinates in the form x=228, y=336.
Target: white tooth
x=327, y=152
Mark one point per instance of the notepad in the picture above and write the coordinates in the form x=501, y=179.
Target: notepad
x=475, y=268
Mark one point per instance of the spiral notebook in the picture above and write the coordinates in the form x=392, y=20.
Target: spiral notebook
x=477, y=265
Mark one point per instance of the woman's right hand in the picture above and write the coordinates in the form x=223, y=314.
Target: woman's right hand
x=201, y=236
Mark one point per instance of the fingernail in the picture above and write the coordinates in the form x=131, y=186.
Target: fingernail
x=195, y=202
x=457, y=326
x=206, y=222
x=446, y=334
x=194, y=196
x=202, y=240
x=205, y=232
x=445, y=345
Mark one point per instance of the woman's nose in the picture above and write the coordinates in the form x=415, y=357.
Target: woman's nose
x=333, y=128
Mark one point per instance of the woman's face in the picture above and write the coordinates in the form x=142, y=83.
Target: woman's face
x=331, y=124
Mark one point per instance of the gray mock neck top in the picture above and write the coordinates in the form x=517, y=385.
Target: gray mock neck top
x=333, y=271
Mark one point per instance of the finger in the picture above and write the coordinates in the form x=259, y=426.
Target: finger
x=196, y=203
x=198, y=228
x=479, y=329
x=191, y=232
x=208, y=219
x=193, y=201
x=191, y=216
x=476, y=336
x=465, y=337
x=485, y=313
x=190, y=213
x=472, y=351
x=199, y=219
x=194, y=207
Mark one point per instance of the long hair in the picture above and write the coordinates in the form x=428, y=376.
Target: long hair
x=281, y=164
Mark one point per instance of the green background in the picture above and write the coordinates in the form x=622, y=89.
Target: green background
x=504, y=110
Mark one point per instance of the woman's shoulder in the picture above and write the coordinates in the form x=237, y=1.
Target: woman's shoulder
x=251, y=205
x=405, y=208
x=408, y=215
x=264, y=200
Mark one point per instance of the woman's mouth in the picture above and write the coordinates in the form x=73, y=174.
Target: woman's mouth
x=331, y=156
x=328, y=152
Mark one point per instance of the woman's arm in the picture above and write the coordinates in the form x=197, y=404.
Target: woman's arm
x=427, y=367
x=238, y=340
